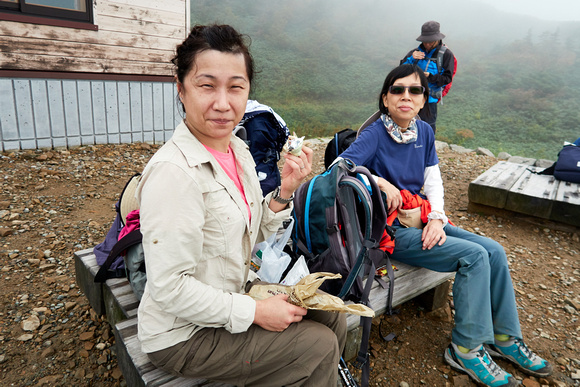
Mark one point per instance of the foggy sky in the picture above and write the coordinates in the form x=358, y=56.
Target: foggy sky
x=559, y=10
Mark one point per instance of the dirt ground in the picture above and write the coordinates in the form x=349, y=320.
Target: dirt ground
x=54, y=203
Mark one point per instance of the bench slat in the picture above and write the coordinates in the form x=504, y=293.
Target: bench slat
x=85, y=270
x=116, y=299
x=410, y=282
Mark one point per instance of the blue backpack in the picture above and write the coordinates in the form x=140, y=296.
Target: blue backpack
x=567, y=167
x=266, y=136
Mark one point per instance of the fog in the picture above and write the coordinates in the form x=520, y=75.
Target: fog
x=321, y=64
x=557, y=10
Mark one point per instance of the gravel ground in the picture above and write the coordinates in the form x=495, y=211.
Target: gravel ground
x=54, y=203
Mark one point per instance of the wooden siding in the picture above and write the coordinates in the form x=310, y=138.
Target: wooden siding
x=52, y=113
x=133, y=37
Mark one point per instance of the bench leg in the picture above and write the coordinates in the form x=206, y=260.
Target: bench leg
x=435, y=298
x=353, y=339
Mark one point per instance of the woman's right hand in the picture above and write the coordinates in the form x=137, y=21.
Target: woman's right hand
x=275, y=314
x=394, y=199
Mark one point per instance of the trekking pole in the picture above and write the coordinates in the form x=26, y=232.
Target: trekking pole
x=345, y=375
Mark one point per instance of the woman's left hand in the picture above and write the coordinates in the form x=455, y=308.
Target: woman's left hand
x=295, y=169
x=433, y=234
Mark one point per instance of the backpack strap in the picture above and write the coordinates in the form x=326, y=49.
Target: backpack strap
x=440, y=54
x=132, y=238
x=375, y=116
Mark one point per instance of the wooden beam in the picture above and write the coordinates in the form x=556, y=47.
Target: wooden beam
x=110, y=38
x=532, y=194
x=87, y=65
x=491, y=187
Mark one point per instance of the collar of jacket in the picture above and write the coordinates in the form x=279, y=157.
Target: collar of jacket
x=194, y=151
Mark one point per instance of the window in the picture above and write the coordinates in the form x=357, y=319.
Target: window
x=76, y=10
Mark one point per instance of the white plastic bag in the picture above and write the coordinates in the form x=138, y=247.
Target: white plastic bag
x=274, y=259
x=298, y=271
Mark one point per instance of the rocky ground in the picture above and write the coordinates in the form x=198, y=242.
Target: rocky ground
x=54, y=203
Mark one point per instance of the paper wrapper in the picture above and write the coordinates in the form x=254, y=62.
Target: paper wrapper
x=293, y=145
x=306, y=294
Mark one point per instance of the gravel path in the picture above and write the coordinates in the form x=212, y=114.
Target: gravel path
x=54, y=203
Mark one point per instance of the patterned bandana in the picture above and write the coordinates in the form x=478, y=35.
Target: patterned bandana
x=400, y=135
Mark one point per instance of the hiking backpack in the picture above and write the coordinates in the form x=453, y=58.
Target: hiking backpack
x=125, y=257
x=338, y=144
x=265, y=133
x=440, y=54
x=439, y=62
x=340, y=219
x=567, y=166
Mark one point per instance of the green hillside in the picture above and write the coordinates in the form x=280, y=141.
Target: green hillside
x=321, y=64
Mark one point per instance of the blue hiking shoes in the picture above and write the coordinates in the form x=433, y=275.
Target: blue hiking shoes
x=479, y=366
x=517, y=352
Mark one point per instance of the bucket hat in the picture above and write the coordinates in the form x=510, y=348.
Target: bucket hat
x=430, y=32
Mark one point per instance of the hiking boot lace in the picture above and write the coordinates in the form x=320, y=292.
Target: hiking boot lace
x=525, y=350
x=488, y=363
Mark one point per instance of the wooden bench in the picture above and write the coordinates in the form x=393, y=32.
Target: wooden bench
x=116, y=300
x=515, y=188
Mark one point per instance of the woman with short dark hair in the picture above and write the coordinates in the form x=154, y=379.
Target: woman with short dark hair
x=202, y=211
x=401, y=150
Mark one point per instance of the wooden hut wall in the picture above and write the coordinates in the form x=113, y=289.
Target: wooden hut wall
x=52, y=113
x=135, y=39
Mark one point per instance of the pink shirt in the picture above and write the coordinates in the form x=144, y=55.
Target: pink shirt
x=228, y=163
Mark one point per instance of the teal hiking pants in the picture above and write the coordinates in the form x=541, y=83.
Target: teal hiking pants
x=483, y=293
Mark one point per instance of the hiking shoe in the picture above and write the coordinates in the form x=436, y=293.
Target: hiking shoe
x=517, y=352
x=479, y=366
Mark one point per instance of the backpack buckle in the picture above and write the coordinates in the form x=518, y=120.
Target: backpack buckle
x=332, y=229
x=360, y=361
x=371, y=243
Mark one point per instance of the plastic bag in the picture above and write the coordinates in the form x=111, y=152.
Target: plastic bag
x=274, y=259
x=298, y=271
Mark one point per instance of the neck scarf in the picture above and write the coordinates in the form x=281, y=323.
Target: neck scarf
x=398, y=134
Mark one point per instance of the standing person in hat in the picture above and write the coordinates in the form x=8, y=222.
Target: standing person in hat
x=438, y=75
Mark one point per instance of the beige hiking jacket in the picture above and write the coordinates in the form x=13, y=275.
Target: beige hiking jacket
x=197, y=239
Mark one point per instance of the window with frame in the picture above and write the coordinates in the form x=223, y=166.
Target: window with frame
x=74, y=10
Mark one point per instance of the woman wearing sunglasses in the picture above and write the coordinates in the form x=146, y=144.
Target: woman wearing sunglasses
x=400, y=149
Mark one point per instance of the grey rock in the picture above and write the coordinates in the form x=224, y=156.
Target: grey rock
x=521, y=160
x=569, y=309
x=441, y=145
x=460, y=149
x=484, y=151
x=31, y=323
x=543, y=163
x=503, y=155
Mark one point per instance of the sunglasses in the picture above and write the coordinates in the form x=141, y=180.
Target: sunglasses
x=415, y=90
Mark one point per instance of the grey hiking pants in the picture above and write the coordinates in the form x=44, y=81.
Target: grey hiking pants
x=305, y=354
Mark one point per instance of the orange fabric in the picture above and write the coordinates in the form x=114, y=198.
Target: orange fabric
x=409, y=201
x=386, y=243
x=412, y=201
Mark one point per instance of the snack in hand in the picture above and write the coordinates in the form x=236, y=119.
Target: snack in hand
x=294, y=145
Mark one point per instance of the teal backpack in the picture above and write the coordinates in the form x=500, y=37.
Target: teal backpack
x=340, y=219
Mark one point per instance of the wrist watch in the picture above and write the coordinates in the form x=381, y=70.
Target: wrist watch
x=276, y=197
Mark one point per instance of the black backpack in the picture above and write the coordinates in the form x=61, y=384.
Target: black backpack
x=338, y=144
x=266, y=137
x=340, y=219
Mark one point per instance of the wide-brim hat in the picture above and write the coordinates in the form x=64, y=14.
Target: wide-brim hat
x=128, y=201
x=430, y=32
